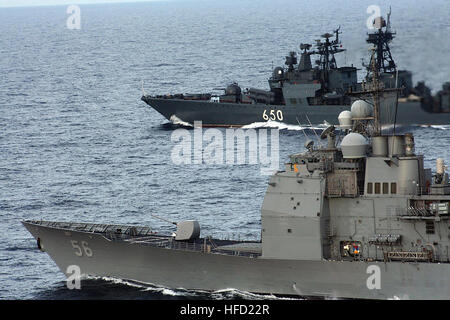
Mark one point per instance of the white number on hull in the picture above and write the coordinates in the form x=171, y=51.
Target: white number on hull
x=280, y=115
x=273, y=115
x=87, y=251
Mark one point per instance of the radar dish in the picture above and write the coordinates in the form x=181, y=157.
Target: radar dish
x=327, y=131
x=309, y=144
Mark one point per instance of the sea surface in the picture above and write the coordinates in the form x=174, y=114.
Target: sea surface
x=78, y=144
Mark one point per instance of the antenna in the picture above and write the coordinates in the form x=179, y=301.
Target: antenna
x=388, y=25
x=143, y=91
x=337, y=34
x=302, y=130
x=318, y=140
x=155, y=216
x=396, y=101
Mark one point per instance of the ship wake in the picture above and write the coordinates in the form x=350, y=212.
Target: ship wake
x=179, y=122
x=181, y=293
x=283, y=126
x=440, y=127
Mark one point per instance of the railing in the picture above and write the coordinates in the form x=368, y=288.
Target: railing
x=145, y=236
x=409, y=256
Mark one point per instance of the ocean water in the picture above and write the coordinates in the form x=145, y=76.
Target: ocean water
x=77, y=144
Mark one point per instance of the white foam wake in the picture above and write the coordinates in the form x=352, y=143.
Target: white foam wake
x=250, y=296
x=148, y=287
x=229, y=293
x=441, y=127
x=281, y=126
x=175, y=120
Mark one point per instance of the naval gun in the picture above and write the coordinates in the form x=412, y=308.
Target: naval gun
x=186, y=230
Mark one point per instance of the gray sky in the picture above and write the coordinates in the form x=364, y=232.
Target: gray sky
x=21, y=3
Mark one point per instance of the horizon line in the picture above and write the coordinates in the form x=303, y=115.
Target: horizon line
x=75, y=2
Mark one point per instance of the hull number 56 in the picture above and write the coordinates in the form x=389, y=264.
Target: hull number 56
x=83, y=249
x=273, y=115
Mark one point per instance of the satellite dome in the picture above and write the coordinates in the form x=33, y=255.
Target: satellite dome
x=345, y=120
x=354, y=146
x=361, y=109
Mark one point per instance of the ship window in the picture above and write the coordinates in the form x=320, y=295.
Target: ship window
x=377, y=188
x=385, y=188
x=370, y=188
x=393, y=187
x=293, y=101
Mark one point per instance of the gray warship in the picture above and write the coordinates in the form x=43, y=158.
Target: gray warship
x=359, y=217
x=321, y=92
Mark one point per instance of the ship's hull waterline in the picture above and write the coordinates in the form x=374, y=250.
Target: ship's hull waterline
x=209, y=271
x=215, y=114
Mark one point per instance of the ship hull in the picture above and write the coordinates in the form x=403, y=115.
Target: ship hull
x=216, y=114
x=209, y=271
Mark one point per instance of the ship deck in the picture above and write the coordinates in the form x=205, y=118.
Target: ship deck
x=146, y=236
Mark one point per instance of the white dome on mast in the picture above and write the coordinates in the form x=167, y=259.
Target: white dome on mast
x=354, y=146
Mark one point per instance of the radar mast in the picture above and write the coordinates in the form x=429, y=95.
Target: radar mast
x=380, y=39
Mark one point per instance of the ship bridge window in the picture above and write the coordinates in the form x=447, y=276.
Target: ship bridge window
x=393, y=188
x=377, y=188
x=381, y=188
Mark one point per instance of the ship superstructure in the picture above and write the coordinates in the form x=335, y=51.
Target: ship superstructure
x=369, y=200
x=315, y=86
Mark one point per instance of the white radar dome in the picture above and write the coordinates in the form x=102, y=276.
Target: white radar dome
x=354, y=146
x=361, y=109
x=345, y=120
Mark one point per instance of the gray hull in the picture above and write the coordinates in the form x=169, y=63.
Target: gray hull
x=238, y=114
x=211, y=271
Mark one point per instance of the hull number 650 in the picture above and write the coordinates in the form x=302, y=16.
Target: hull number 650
x=273, y=115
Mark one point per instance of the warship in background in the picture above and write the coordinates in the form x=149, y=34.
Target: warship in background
x=357, y=218
x=319, y=93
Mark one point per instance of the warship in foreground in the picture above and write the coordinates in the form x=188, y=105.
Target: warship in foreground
x=357, y=218
x=320, y=92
